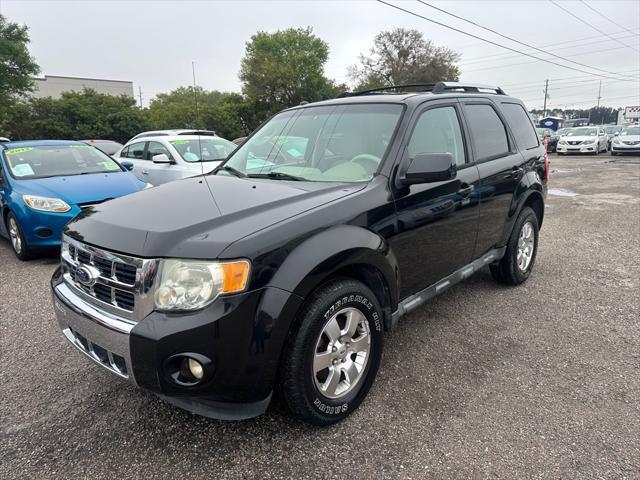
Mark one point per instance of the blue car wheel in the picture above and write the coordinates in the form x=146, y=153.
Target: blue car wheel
x=18, y=242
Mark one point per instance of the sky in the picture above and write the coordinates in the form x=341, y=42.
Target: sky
x=153, y=43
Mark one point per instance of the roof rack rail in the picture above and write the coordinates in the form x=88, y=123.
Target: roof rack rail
x=425, y=87
x=445, y=87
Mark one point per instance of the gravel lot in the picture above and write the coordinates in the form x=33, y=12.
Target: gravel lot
x=538, y=381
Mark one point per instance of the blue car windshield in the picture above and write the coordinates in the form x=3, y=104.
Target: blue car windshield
x=57, y=161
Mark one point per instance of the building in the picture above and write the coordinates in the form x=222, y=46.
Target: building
x=53, y=86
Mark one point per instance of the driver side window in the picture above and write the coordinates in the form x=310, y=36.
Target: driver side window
x=438, y=131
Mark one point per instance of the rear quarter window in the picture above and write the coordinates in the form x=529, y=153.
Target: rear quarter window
x=521, y=125
x=488, y=133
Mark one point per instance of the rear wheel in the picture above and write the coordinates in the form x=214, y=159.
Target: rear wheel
x=517, y=263
x=18, y=242
x=333, y=354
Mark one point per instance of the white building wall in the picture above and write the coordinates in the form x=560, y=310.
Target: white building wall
x=53, y=86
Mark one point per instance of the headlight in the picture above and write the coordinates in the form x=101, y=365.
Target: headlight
x=193, y=284
x=147, y=185
x=590, y=141
x=45, y=204
x=616, y=140
x=562, y=142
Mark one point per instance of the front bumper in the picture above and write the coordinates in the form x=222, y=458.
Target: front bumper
x=591, y=148
x=44, y=229
x=242, y=335
x=623, y=148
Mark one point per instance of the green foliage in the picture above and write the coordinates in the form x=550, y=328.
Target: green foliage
x=76, y=116
x=16, y=65
x=403, y=56
x=177, y=109
x=284, y=68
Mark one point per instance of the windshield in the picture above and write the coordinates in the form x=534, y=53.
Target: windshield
x=211, y=148
x=631, y=131
x=58, y=160
x=582, y=132
x=342, y=143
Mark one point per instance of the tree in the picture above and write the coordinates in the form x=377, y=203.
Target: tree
x=284, y=68
x=177, y=109
x=16, y=65
x=403, y=56
x=77, y=116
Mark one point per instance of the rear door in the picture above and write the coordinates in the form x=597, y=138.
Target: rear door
x=501, y=167
x=437, y=222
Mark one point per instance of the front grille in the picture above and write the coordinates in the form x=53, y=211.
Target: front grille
x=631, y=143
x=574, y=142
x=123, y=285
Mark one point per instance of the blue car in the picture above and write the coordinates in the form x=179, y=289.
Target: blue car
x=46, y=183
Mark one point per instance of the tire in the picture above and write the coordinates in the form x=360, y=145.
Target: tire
x=509, y=270
x=17, y=239
x=316, y=353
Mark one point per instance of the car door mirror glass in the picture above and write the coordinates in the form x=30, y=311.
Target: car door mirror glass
x=127, y=165
x=161, y=158
x=430, y=167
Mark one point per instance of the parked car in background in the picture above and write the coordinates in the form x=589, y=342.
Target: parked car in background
x=285, y=275
x=166, y=158
x=628, y=141
x=4, y=139
x=611, y=131
x=583, y=140
x=45, y=183
x=552, y=142
x=173, y=132
x=107, y=146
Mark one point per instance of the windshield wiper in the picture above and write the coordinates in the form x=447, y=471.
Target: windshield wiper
x=277, y=176
x=231, y=170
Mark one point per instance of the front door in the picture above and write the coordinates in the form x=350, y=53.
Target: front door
x=437, y=222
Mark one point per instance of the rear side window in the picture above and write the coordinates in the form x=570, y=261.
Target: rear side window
x=521, y=125
x=488, y=133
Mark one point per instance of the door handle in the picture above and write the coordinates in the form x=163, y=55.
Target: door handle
x=465, y=189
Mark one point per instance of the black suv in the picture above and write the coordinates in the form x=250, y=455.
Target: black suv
x=280, y=270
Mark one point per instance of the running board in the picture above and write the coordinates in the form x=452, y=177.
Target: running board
x=414, y=301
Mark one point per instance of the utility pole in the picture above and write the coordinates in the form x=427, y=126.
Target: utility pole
x=546, y=89
x=195, y=95
x=599, y=91
x=140, y=95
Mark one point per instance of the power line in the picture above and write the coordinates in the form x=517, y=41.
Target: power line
x=605, y=17
x=564, y=79
x=471, y=22
x=591, y=25
x=492, y=42
x=503, y=56
x=506, y=65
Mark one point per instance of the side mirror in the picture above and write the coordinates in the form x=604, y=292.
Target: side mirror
x=161, y=158
x=430, y=167
x=127, y=165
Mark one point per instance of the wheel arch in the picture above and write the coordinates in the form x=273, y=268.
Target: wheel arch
x=531, y=196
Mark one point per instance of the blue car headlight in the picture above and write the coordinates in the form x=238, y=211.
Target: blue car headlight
x=45, y=204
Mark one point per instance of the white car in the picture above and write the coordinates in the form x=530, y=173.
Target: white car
x=591, y=140
x=163, y=159
x=628, y=141
x=178, y=131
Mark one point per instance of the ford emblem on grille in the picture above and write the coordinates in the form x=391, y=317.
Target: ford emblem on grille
x=87, y=275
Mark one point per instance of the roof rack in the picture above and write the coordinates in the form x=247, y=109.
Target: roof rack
x=439, y=87
x=445, y=87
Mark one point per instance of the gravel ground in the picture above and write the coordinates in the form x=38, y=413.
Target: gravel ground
x=537, y=381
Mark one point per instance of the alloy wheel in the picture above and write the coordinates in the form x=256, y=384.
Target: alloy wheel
x=526, y=242
x=14, y=234
x=341, y=353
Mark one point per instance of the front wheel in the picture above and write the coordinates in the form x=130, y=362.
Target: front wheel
x=517, y=263
x=333, y=353
x=18, y=242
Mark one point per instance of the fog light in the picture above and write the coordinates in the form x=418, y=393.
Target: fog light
x=196, y=369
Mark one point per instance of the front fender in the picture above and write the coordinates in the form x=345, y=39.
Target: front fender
x=318, y=257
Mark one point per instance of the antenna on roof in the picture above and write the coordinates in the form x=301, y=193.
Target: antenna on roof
x=195, y=99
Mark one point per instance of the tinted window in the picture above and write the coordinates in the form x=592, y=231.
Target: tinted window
x=487, y=132
x=438, y=131
x=521, y=125
x=343, y=143
x=58, y=160
x=156, y=148
x=135, y=151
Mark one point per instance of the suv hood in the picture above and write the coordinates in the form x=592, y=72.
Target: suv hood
x=198, y=217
